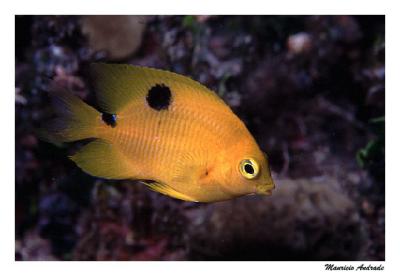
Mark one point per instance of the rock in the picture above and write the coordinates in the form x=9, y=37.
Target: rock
x=49, y=59
x=299, y=43
x=56, y=222
x=130, y=222
x=120, y=36
x=33, y=248
x=303, y=220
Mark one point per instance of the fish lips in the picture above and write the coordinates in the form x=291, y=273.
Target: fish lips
x=265, y=189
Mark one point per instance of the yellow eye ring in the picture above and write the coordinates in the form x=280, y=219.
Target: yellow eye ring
x=249, y=168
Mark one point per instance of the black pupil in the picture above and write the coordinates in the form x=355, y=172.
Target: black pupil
x=249, y=168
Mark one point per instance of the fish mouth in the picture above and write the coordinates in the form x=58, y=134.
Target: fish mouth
x=265, y=189
x=269, y=192
x=266, y=192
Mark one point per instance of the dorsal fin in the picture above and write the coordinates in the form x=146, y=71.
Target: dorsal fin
x=117, y=85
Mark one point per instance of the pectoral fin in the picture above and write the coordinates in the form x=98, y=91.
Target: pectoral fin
x=189, y=167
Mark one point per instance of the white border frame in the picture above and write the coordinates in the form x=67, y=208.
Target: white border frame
x=9, y=9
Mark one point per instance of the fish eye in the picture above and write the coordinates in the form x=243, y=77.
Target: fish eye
x=249, y=168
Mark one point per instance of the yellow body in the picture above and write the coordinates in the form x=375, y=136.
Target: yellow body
x=189, y=150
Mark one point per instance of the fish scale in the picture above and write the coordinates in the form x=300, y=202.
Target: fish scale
x=138, y=144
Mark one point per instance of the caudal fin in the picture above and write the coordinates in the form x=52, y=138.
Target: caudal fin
x=75, y=119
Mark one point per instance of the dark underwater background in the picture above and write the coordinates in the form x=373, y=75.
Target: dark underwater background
x=311, y=89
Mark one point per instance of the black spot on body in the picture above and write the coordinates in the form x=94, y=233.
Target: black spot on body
x=159, y=97
x=109, y=119
x=249, y=168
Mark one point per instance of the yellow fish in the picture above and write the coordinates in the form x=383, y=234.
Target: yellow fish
x=167, y=130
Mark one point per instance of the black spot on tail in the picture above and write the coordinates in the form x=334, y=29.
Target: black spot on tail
x=109, y=119
x=159, y=97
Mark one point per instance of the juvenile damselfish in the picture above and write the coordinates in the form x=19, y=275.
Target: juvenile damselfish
x=166, y=130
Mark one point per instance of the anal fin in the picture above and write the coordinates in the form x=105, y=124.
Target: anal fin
x=100, y=158
x=167, y=190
